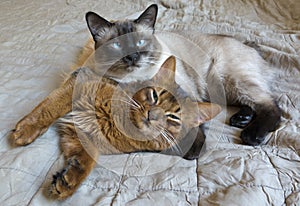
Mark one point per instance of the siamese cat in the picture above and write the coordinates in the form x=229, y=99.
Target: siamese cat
x=228, y=69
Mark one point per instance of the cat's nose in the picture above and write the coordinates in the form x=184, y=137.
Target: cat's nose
x=155, y=114
x=131, y=59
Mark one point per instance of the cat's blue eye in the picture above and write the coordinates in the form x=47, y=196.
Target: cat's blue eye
x=116, y=45
x=141, y=42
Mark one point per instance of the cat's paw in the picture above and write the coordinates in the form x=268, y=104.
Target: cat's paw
x=60, y=188
x=242, y=118
x=195, y=151
x=25, y=133
x=64, y=183
x=191, y=155
x=252, y=136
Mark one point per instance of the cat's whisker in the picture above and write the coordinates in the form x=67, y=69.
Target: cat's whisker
x=130, y=103
x=132, y=109
x=147, y=61
x=150, y=57
x=110, y=63
x=169, y=139
x=172, y=141
x=132, y=100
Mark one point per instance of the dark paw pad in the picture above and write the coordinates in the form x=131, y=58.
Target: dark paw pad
x=60, y=188
x=242, y=118
x=251, y=137
x=59, y=176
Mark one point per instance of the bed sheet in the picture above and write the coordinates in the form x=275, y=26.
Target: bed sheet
x=40, y=41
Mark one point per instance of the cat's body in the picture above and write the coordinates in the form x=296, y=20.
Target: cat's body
x=210, y=67
x=104, y=117
x=97, y=104
x=227, y=71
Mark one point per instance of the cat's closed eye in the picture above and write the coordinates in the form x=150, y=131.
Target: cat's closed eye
x=173, y=119
x=172, y=116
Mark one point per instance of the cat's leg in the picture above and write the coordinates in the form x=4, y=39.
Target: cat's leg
x=266, y=120
x=250, y=87
x=190, y=146
x=78, y=166
x=198, y=144
x=267, y=113
x=242, y=118
x=55, y=105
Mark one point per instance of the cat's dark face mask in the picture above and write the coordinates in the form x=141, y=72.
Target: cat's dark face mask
x=124, y=46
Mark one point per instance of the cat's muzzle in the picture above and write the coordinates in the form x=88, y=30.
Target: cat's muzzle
x=131, y=59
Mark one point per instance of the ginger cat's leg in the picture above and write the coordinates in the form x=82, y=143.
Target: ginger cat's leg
x=78, y=165
x=57, y=104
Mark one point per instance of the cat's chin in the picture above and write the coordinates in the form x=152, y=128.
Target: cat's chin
x=136, y=73
x=147, y=130
x=147, y=134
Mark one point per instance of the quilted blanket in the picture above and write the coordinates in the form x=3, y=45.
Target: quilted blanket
x=39, y=42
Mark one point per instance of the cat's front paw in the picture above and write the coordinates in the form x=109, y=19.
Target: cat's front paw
x=25, y=132
x=252, y=135
x=196, y=150
x=242, y=118
x=191, y=155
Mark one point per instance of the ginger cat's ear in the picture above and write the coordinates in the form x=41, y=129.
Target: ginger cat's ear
x=166, y=73
x=205, y=112
x=148, y=17
x=96, y=24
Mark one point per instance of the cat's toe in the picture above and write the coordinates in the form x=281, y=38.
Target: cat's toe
x=25, y=134
x=251, y=137
x=54, y=190
x=65, y=183
x=240, y=121
x=60, y=188
x=242, y=118
x=195, y=151
x=191, y=156
x=20, y=138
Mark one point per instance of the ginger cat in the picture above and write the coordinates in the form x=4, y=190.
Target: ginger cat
x=110, y=118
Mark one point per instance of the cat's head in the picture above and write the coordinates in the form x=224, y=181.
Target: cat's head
x=161, y=110
x=124, y=45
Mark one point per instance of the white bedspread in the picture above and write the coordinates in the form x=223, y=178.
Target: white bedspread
x=39, y=42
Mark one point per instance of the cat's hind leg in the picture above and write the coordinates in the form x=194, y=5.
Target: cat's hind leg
x=66, y=182
x=78, y=166
x=198, y=145
x=266, y=120
x=266, y=113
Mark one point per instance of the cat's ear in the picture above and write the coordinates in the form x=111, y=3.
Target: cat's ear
x=96, y=24
x=166, y=73
x=148, y=17
x=205, y=112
